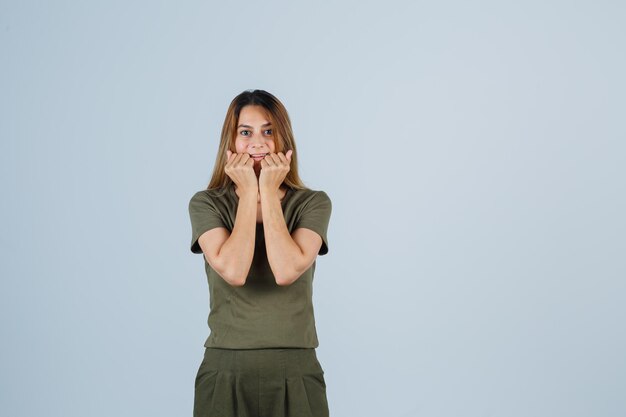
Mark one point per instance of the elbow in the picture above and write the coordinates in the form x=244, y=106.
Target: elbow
x=239, y=282
x=284, y=280
x=233, y=278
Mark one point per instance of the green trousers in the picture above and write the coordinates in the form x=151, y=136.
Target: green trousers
x=278, y=382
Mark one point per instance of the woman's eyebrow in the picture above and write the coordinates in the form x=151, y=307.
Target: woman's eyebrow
x=266, y=124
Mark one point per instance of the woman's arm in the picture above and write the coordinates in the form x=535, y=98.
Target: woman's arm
x=288, y=257
x=232, y=258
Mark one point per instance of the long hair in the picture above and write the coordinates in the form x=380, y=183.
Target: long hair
x=281, y=129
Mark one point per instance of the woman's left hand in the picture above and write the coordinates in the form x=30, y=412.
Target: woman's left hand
x=274, y=169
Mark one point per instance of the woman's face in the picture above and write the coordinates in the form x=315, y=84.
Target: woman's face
x=254, y=134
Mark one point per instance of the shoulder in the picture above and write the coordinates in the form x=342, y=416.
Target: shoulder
x=207, y=196
x=308, y=197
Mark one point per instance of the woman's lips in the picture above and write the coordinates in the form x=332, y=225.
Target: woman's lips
x=258, y=158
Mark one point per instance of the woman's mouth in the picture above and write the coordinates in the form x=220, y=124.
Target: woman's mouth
x=258, y=157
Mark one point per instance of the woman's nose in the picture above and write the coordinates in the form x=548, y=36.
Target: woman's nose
x=256, y=138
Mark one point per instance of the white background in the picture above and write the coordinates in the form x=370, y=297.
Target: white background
x=474, y=153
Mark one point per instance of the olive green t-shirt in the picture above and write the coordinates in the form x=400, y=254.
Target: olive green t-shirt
x=261, y=313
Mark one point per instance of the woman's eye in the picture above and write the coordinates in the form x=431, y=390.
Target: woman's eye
x=243, y=132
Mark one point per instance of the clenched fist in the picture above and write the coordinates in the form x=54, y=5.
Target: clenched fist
x=240, y=168
x=274, y=169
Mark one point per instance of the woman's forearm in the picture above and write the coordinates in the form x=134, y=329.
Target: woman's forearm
x=237, y=252
x=283, y=254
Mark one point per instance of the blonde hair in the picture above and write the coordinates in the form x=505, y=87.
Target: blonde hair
x=281, y=128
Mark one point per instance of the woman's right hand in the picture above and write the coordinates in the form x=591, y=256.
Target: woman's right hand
x=240, y=168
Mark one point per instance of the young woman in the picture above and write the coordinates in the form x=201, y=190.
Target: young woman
x=260, y=231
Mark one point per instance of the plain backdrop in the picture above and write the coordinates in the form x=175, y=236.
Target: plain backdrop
x=474, y=153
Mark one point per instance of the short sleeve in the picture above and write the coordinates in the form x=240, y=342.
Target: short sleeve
x=316, y=216
x=204, y=216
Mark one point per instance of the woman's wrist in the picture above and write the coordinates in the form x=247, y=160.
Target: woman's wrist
x=269, y=192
